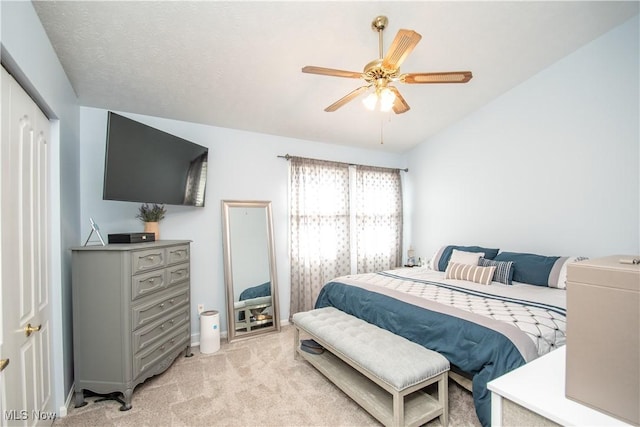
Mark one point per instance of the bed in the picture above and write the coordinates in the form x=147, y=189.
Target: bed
x=485, y=330
x=251, y=303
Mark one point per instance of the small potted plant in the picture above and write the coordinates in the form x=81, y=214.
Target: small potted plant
x=151, y=216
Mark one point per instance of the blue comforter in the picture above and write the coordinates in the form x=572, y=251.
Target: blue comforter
x=263, y=290
x=476, y=349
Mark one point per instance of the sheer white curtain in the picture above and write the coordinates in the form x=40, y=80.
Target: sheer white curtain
x=327, y=204
x=320, y=242
x=378, y=205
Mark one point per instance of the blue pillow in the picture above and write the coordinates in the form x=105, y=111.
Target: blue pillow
x=504, y=269
x=443, y=255
x=533, y=269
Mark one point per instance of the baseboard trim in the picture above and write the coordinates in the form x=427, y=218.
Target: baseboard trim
x=64, y=410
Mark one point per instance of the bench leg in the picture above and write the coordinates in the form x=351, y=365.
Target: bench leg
x=398, y=409
x=443, y=398
x=296, y=342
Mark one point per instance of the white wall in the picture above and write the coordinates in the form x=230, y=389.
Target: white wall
x=551, y=167
x=28, y=55
x=242, y=166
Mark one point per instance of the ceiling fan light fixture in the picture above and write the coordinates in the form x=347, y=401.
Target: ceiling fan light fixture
x=370, y=101
x=387, y=98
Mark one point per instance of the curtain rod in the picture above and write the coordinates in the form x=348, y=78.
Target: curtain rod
x=288, y=157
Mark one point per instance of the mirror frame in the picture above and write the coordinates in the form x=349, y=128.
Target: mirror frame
x=232, y=334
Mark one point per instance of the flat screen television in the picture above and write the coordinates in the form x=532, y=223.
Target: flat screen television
x=144, y=164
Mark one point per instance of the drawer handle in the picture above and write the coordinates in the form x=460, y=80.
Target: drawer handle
x=173, y=341
x=162, y=326
x=171, y=301
x=161, y=305
x=163, y=347
x=172, y=321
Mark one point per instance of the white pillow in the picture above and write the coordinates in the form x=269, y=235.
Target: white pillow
x=462, y=257
x=433, y=262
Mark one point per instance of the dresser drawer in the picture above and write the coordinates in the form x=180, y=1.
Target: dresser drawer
x=144, y=361
x=147, y=260
x=159, y=330
x=147, y=283
x=148, y=311
x=177, y=254
x=177, y=273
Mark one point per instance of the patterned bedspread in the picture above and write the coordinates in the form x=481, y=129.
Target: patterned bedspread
x=545, y=324
x=485, y=331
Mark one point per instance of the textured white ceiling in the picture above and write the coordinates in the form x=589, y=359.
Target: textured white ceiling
x=237, y=64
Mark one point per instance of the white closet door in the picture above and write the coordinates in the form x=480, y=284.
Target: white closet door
x=25, y=339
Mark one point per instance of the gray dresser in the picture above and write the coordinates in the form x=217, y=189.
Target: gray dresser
x=131, y=314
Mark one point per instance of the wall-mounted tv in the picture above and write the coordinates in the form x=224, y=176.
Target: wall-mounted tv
x=144, y=164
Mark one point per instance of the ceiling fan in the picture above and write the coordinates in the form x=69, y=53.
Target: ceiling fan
x=379, y=74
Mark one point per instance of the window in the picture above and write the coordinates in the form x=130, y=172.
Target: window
x=378, y=216
x=344, y=219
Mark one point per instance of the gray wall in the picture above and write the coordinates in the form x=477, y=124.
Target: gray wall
x=550, y=167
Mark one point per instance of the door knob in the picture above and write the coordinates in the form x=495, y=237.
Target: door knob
x=3, y=364
x=28, y=330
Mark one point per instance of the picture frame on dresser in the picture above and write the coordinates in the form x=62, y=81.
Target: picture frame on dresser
x=94, y=229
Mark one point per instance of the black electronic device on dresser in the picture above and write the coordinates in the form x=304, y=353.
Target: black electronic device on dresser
x=132, y=237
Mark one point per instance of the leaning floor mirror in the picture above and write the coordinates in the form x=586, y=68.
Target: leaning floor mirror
x=249, y=269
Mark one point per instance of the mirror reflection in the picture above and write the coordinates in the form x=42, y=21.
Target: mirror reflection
x=249, y=268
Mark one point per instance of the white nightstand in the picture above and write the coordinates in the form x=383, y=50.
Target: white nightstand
x=534, y=395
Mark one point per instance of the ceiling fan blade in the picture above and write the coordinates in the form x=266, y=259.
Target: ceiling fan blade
x=331, y=72
x=401, y=47
x=399, y=104
x=351, y=95
x=446, y=77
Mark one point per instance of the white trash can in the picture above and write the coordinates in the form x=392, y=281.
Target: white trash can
x=209, y=331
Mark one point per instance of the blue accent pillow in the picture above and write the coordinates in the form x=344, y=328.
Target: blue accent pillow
x=445, y=254
x=533, y=269
x=504, y=269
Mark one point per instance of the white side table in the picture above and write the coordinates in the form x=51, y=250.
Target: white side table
x=534, y=395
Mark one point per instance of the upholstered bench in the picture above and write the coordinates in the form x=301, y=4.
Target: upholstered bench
x=383, y=372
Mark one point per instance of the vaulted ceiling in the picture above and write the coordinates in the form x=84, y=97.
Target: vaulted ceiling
x=238, y=64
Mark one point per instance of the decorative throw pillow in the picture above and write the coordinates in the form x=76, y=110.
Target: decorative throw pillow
x=538, y=270
x=530, y=268
x=441, y=259
x=471, y=273
x=504, y=269
x=462, y=257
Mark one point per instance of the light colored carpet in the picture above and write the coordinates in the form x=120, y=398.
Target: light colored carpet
x=255, y=382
